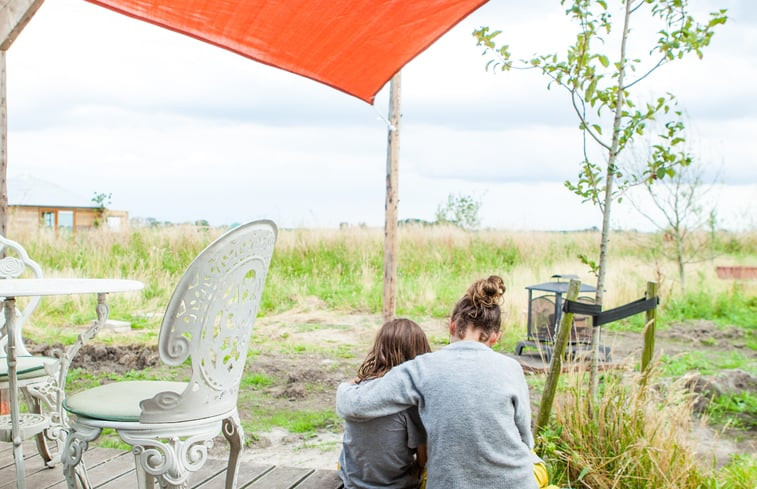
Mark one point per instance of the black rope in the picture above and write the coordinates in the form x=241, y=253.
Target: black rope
x=610, y=315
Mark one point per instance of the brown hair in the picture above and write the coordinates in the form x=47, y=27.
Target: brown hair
x=479, y=308
x=397, y=341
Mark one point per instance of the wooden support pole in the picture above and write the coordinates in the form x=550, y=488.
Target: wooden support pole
x=649, y=329
x=14, y=16
x=3, y=149
x=391, y=243
x=555, y=367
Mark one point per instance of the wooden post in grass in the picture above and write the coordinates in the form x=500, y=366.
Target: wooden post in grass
x=649, y=329
x=391, y=241
x=555, y=367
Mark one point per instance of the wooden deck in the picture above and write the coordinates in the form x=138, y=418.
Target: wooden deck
x=114, y=469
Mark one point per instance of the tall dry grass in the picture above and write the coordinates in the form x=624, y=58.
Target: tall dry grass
x=344, y=268
x=632, y=437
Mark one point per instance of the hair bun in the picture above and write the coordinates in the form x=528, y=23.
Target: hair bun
x=487, y=292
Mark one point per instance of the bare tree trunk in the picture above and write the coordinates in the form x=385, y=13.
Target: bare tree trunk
x=611, y=161
x=681, y=262
x=391, y=243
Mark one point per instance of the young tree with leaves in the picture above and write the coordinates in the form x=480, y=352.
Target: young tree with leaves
x=600, y=86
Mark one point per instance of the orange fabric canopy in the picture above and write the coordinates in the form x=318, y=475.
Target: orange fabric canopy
x=352, y=45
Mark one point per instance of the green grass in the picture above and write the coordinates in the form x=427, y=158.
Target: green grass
x=733, y=307
x=335, y=351
x=344, y=270
x=257, y=380
x=306, y=422
x=737, y=410
x=706, y=363
x=740, y=473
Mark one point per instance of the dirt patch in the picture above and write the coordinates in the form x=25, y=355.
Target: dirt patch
x=306, y=353
x=98, y=358
x=681, y=337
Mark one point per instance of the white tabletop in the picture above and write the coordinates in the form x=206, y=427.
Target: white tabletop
x=26, y=287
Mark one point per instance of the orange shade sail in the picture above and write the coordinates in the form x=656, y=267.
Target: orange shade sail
x=352, y=45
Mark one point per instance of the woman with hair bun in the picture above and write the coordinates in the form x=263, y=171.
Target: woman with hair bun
x=472, y=400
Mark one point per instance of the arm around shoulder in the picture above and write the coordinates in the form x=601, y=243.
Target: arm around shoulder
x=387, y=395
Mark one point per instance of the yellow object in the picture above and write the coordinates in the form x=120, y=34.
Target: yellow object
x=541, y=475
x=423, y=480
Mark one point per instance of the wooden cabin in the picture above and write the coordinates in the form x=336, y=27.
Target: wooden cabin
x=34, y=203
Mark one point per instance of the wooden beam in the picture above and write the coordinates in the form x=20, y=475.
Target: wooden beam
x=14, y=15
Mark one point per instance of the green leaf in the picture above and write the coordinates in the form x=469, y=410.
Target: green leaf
x=603, y=59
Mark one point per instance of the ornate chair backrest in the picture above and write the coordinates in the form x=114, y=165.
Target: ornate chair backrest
x=209, y=320
x=15, y=263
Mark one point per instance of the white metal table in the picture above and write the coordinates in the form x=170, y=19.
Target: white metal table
x=24, y=425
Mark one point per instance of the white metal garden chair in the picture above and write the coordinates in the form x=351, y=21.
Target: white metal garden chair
x=37, y=375
x=209, y=320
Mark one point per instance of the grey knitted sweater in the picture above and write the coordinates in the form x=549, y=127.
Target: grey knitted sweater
x=475, y=407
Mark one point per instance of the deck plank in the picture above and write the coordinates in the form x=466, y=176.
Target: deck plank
x=32, y=462
x=103, y=473
x=46, y=477
x=248, y=473
x=280, y=478
x=6, y=454
x=210, y=469
x=321, y=479
x=108, y=468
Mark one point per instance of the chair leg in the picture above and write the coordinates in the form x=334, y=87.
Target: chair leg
x=35, y=406
x=76, y=444
x=170, y=462
x=232, y=430
x=144, y=479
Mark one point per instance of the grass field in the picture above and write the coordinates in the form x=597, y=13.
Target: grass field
x=344, y=269
x=325, y=287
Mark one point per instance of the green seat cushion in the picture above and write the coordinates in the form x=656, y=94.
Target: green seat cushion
x=118, y=401
x=27, y=367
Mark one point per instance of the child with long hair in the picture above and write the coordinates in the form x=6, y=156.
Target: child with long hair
x=473, y=401
x=387, y=451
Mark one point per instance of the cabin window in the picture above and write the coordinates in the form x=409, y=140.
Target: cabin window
x=66, y=220
x=57, y=219
x=48, y=219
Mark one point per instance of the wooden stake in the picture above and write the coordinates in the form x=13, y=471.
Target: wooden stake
x=649, y=330
x=391, y=245
x=555, y=367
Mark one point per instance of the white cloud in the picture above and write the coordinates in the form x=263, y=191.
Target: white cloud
x=181, y=130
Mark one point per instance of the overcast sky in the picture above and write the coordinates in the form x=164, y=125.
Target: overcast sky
x=179, y=130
